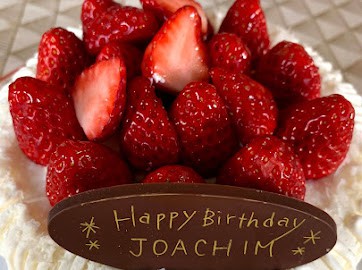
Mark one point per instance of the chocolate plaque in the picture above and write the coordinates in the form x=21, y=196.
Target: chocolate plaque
x=191, y=226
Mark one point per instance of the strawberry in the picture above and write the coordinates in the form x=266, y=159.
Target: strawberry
x=99, y=95
x=251, y=106
x=228, y=51
x=132, y=56
x=164, y=9
x=176, y=54
x=204, y=127
x=61, y=57
x=173, y=174
x=246, y=19
x=321, y=132
x=123, y=23
x=148, y=138
x=92, y=9
x=290, y=73
x=78, y=166
x=43, y=117
x=265, y=163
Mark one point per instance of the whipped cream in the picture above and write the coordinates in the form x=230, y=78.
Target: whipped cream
x=25, y=243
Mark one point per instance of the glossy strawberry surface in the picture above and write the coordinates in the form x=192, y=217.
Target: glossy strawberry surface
x=148, y=138
x=43, y=116
x=61, y=58
x=265, y=163
x=173, y=174
x=251, y=106
x=204, y=127
x=229, y=52
x=246, y=19
x=321, y=131
x=78, y=166
x=289, y=72
x=122, y=23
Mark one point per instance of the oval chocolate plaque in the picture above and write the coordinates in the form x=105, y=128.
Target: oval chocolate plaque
x=190, y=226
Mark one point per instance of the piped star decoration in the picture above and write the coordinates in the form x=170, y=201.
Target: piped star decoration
x=89, y=227
x=313, y=237
x=92, y=244
x=298, y=251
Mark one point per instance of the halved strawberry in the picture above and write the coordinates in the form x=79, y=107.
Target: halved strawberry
x=177, y=55
x=123, y=23
x=78, y=166
x=99, y=96
x=148, y=138
x=131, y=54
x=165, y=8
x=61, y=57
x=43, y=117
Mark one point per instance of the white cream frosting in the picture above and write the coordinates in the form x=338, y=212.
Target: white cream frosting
x=25, y=244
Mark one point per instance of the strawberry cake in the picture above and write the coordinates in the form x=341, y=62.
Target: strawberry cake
x=31, y=179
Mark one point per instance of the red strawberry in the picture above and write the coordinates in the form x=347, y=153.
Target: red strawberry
x=228, y=51
x=126, y=24
x=43, y=117
x=251, y=106
x=173, y=174
x=99, y=96
x=148, y=138
x=61, y=57
x=92, y=9
x=78, y=166
x=132, y=56
x=165, y=8
x=266, y=163
x=246, y=19
x=177, y=55
x=321, y=131
x=204, y=127
x=290, y=74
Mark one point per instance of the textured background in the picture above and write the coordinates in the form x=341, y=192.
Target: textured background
x=332, y=27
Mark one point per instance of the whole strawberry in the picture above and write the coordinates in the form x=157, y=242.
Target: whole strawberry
x=177, y=55
x=61, y=58
x=251, y=106
x=229, y=52
x=246, y=19
x=131, y=54
x=43, y=117
x=265, y=163
x=321, y=132
x=92, y=9
x=148, y=138
x=122, y=23
x=289, y=72
x=78, y=166
x=204, y=128
x=173, y=174
x=99, y=96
